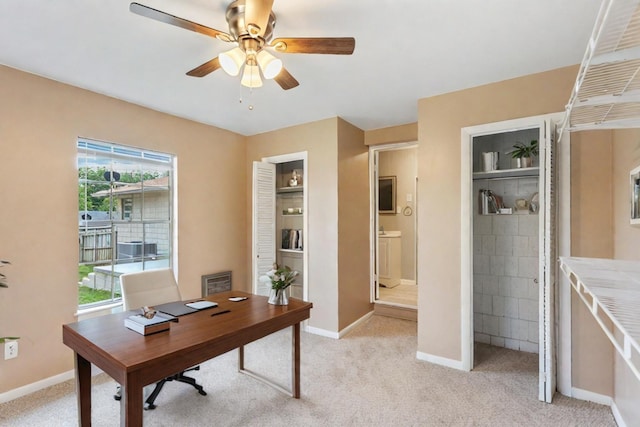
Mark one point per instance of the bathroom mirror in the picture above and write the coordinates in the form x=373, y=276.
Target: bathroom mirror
x=387, y=195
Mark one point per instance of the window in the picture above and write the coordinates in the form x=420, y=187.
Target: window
x=127, y=208
x=125, y=216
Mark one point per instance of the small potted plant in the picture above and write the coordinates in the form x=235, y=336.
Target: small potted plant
x=280, y=278
x=3, y=284
x=523, y=154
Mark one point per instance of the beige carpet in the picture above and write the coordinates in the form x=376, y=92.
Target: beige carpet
x=369, y=378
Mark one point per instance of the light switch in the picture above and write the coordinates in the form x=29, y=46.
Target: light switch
x=409, y=197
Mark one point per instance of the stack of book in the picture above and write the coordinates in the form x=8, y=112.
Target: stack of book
x=144, y=326
x=291, y=239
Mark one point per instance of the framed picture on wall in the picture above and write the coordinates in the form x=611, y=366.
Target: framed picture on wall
x=387, y=195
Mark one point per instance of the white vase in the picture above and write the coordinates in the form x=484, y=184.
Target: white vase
x=278, y=297
x=524, y=162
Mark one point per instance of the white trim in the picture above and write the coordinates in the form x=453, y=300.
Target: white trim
x=466, y=236
x=563, y=287
x=36, y=386
x=589, y=396
x=291, y=157
x=617, y=416
x=442, y=361
x=355, y=324
x=373, y=212
x=466, y=249
x=322, y=332
x=407, y=282
x=90, y=312
x=340, y=334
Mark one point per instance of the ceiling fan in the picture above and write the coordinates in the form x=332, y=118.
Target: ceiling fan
x=251, y=24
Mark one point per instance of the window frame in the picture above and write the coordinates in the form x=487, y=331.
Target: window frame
x=140, y=162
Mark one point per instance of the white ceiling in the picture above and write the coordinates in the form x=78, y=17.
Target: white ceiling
x=405, y=50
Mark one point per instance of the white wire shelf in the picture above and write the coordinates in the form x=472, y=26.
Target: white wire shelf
x=606, y=94
x=611, y=291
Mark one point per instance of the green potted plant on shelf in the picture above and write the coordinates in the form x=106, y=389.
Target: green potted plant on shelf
x=3, y=284
x=524, y=154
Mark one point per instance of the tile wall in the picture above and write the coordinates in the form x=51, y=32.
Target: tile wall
x=505, y=269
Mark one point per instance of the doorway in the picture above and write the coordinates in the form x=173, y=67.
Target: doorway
x=509, y=211
x=393, y=174
x=280, y=220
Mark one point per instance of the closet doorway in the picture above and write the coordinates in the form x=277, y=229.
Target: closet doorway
x=393, y=173
x=510, y=241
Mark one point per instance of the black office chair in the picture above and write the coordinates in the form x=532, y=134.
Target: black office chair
x=148, y=288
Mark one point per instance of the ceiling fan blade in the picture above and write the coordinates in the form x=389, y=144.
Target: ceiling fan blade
x=206, y=68
x=286, y=80
x=256, y=12
x=149, y=12
x=319, y=45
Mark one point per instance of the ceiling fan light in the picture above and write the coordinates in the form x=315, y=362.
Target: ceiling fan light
x=231, y=61
x=251, y=76
x=269, y=64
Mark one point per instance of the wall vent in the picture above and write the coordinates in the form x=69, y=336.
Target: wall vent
x=215, y=283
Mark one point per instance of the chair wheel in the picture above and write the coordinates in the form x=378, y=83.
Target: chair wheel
x=117, y=397
x=149, y=406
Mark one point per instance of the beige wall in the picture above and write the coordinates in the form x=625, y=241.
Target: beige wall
x=40, y=122
x=626, y=156
x=440, y=120
x=337, y=185
x=353, y=225
x=591, y=236
x=319, y=140
x=392, y=134
x=591, y=195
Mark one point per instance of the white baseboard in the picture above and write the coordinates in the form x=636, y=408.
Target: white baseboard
x=340, y=334
x=322, y=332
x=37, y=386
x=578, y=393
x=407, y=282
x=352, y=326
x=438, y=360
x=601, y=399
x=617, y=416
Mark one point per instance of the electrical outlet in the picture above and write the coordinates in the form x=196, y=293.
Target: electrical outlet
x=10, y=349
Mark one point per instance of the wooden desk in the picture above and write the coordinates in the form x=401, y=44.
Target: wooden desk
x=134, y=360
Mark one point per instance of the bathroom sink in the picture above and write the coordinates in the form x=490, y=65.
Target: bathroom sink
x=390, y=233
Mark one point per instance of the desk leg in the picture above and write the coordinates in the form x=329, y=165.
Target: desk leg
x=295, y=361
x=241, y=358
x=131, y=404
x=295, y=365
x=83, y=392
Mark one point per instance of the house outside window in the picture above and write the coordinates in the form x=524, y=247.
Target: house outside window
x=125, y=216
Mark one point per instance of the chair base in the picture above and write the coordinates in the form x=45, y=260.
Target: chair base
x=180, y=377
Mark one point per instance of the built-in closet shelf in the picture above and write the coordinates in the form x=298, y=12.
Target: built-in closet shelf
x=508, y=173
x=611, y=291
x=288, y=214
x=292, y=251
x=287, y=190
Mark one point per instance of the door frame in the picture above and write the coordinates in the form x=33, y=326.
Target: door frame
x=563, y=312
x=284, y=158
x=374, y=150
